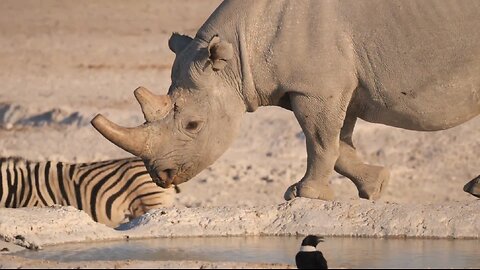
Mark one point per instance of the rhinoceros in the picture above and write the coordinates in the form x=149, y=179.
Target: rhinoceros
x=408, y=64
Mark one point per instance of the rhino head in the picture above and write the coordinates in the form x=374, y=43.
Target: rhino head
x=190, y=127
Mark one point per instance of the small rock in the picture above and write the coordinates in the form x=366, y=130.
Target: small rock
x=267, y=179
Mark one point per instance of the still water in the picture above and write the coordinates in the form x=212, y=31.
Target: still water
x=339, y=252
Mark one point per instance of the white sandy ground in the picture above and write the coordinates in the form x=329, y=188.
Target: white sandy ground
x=56, y=225
x=61, y=62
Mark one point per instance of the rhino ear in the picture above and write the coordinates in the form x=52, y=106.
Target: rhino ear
x=219, y=52
x=177, y=43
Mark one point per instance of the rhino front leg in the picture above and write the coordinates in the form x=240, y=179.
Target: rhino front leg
x=321, y=120
x=370, y=180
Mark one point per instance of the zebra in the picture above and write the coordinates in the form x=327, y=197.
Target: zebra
x=111, y=192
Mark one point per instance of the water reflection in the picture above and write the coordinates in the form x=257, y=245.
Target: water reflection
x=340, y=252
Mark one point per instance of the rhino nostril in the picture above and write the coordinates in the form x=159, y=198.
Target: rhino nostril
x=170, y=173
x=166, y=175
x=162, y=175
x=163, y=178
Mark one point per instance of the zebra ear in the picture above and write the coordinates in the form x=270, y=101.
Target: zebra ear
x=177, y=43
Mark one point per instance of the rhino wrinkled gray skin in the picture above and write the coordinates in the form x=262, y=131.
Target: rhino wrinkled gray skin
x=408, y=64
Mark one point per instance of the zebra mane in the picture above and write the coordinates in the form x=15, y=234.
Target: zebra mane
x=15, y=159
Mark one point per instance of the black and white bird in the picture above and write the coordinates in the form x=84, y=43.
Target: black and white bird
x=309, y=257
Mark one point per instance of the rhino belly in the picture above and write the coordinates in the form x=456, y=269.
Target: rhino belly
x=424, y=111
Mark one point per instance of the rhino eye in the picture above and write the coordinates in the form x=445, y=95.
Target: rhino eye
x=193, y=126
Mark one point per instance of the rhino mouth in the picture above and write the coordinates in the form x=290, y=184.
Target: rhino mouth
x=164, y=178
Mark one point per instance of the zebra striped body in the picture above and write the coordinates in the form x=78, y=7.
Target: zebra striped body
x=109, y=191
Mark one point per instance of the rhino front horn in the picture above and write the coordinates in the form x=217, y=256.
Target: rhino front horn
x=132, y=140
x=153, y=107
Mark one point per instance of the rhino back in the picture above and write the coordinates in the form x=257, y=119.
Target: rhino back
x=417, y=62
x=288, y=43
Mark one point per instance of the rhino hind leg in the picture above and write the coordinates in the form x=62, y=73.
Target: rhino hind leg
x=370, y=180
x=473, y=187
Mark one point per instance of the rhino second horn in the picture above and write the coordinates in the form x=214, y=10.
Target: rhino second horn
x=132, y=140
x=154, y=107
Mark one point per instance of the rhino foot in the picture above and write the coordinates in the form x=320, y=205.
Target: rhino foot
x=473, y=187
x=291, y=193
x=302, y=190
x=372, y=187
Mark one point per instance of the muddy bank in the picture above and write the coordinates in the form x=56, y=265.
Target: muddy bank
x=303, y=216
x=34, y=228
x=8, y=261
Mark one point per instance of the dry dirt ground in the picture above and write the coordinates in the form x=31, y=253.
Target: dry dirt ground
x=61, y=62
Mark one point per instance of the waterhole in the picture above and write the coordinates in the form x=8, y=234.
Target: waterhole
x=339, y=252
